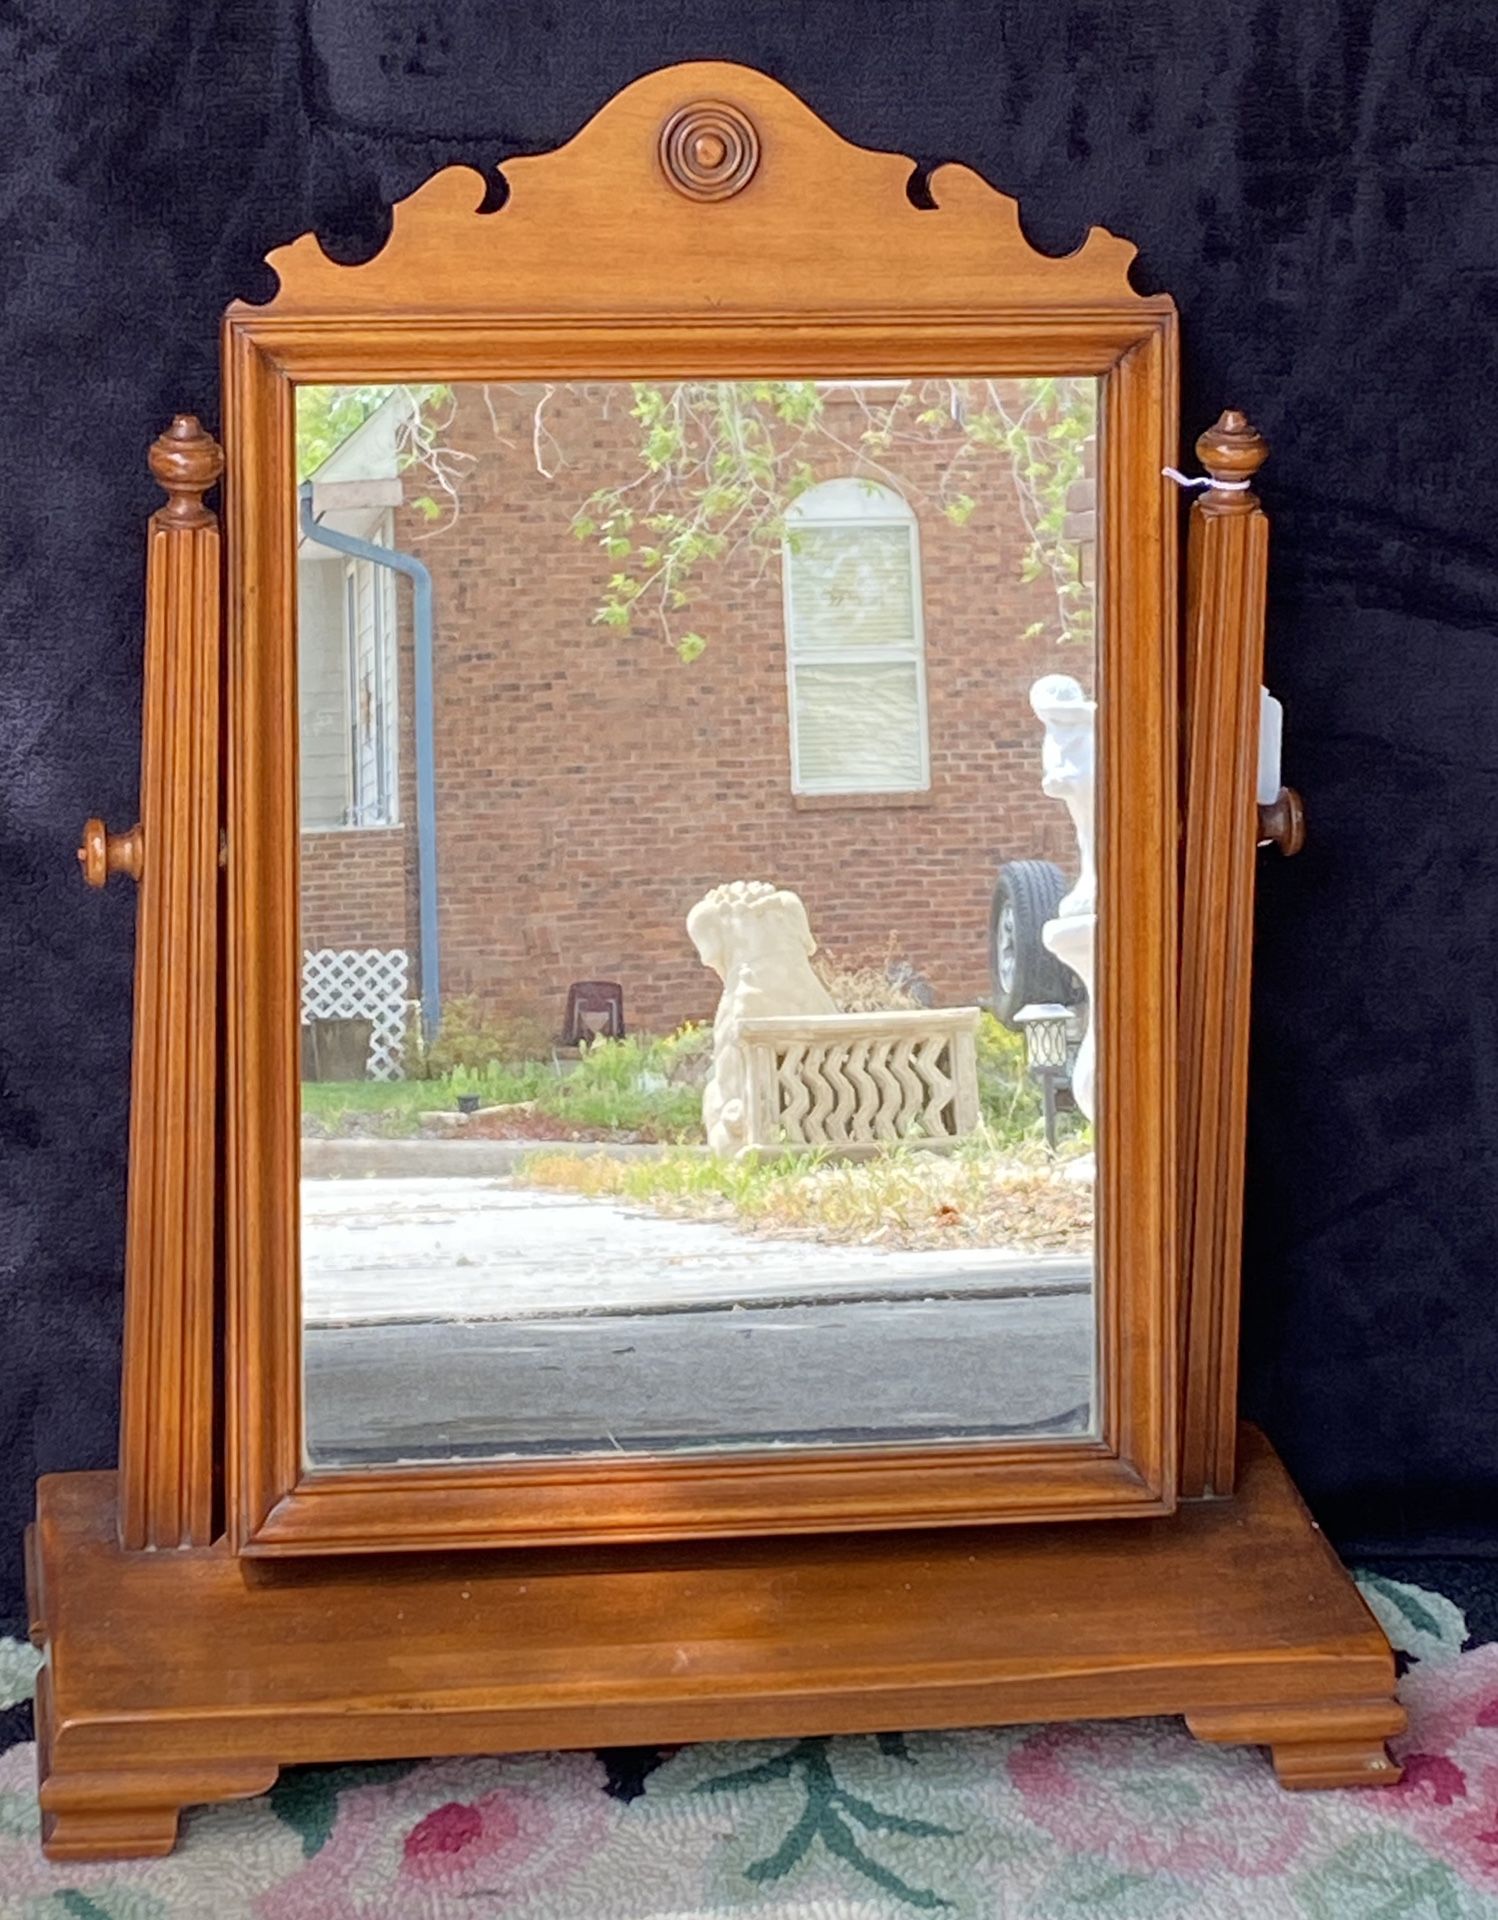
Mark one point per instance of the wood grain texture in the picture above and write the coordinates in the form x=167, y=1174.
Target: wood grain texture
x=1337, y=1743
x=1233, y=1612
x=820, y=263
x=1227, y=569
x=167, y=1443
x=819, y=225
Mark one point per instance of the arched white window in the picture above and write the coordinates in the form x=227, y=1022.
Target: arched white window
x=855, y=645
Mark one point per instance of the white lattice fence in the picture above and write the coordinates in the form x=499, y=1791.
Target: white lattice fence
x=362, y=983
x=858, y=1082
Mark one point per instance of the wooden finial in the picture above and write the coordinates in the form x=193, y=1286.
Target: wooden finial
x=186, y=462
x=1233, y=449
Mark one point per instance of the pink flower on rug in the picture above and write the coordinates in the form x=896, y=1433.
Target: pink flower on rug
x=1466, y=1831
x=1440, y=1780
x=1449, y=1793
x=1448, y=1702
x=1146, y=1797
x=509, y=1839
x=472, y=1831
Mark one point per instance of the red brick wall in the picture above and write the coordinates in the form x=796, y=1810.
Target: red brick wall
x=591, y=786
x=354, y=888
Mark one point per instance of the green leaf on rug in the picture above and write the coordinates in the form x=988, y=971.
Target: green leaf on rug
x=1089, y=1887
x=1423, y=1624
x=826, y=1811
x=306, y=1798
x=126, y=1903
x=18, y=1815
x=18, y=1668
x=1385, y=1876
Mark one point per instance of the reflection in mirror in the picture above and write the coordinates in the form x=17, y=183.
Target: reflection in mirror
x=698, y=903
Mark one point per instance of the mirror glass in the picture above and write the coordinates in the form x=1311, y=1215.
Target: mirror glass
x=698, y=908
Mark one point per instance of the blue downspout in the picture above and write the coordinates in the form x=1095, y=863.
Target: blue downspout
x=426, y=771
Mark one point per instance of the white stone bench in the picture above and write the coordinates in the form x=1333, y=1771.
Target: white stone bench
x=856, y=1083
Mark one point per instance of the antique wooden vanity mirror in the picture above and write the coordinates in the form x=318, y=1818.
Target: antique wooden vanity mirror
x=716, y=572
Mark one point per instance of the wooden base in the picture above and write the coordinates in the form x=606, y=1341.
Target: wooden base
x=184, y=1676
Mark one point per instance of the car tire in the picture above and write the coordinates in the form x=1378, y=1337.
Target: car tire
x=1022, y=971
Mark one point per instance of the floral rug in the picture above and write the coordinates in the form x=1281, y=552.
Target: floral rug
x=1021, y=1823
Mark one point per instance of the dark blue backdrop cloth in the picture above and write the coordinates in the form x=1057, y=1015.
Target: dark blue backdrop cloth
x=1316, y=181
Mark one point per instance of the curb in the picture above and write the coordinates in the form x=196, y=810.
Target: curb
x=430, y=1159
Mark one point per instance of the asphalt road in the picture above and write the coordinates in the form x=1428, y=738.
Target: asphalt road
x=750, y=1375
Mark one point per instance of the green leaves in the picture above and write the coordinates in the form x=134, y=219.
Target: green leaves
x=1418, y=1622
x=717, y=465
x=326, y=416
x=830, y=1814
x=1387, y=1876
x=19, y=1663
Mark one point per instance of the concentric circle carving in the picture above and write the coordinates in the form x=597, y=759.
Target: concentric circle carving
x=709, y=150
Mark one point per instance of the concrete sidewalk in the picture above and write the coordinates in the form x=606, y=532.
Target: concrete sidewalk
x=418, y=1249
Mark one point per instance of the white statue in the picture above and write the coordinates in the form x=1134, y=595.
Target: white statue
x=758, y=941
x=1068, y=763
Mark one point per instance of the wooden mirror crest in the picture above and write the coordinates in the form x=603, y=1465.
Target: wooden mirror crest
x=766, y=1564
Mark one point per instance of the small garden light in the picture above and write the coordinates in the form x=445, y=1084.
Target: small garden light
x=1047, y=1029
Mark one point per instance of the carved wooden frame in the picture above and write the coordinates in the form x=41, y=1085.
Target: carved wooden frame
x=182, y=1675
x=776, y=247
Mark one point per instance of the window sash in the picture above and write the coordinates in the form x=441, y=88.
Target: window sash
x=885, y=754
x=860, y=772
x=890, y=626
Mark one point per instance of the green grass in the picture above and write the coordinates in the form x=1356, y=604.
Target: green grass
x=620, y=1086
x=982, y=1194
x=1008, y=1098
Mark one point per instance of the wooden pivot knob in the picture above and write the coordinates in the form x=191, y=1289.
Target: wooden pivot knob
x=1283, y=822
x=104, y=853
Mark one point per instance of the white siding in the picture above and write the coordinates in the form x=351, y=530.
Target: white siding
x=322, y=690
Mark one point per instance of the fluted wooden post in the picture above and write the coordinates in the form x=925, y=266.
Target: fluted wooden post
x=1227, y=564
x=166, y=1420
